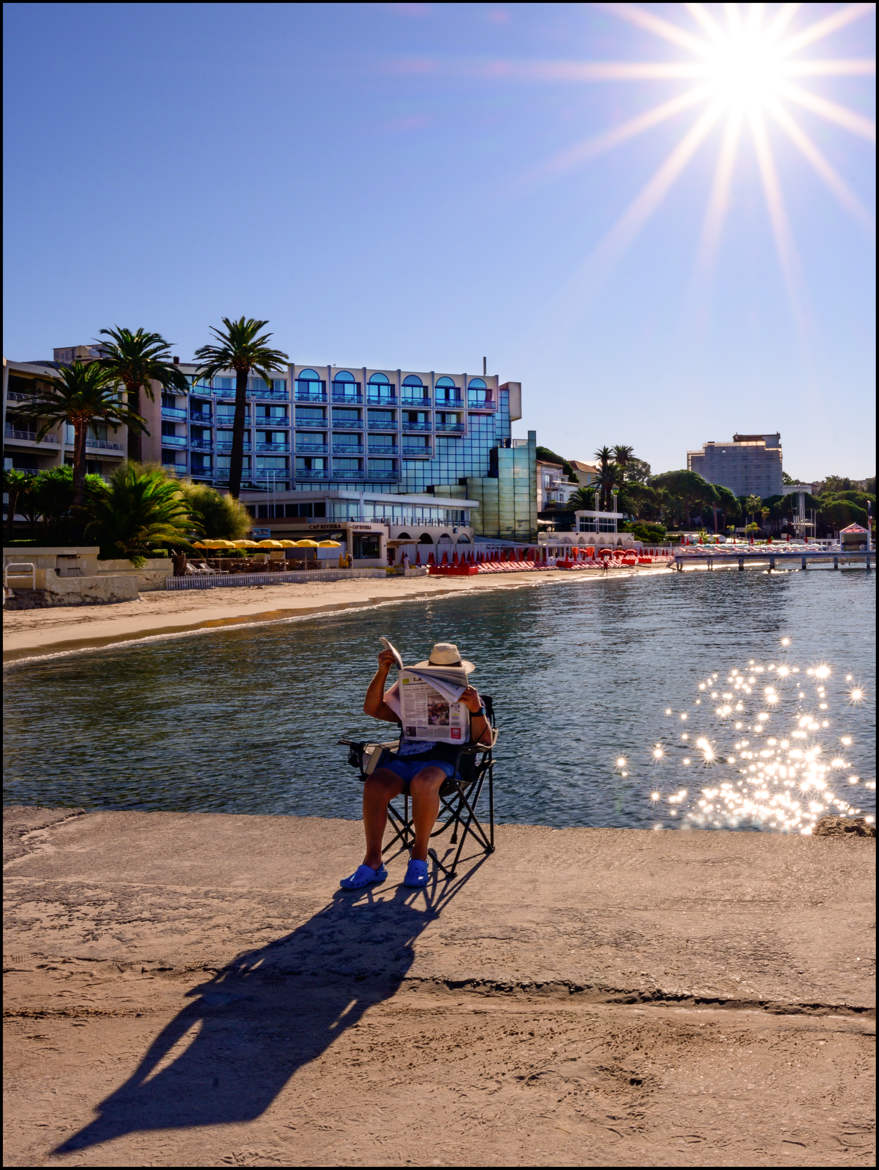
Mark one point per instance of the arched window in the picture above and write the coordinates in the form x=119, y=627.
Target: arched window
x=346, y=388
x=478, y=394
x=380, y=389
x=444, y=381
x=413, y=380
x=344, y=376
x=425, y=538
x=309, y=387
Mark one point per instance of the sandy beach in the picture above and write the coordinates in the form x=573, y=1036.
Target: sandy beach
x=32, y=632
x=185, y=989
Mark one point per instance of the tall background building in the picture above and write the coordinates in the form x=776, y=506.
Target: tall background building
x=749, y=465
x=320, y=441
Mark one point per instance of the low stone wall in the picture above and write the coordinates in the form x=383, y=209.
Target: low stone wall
x=101, y=589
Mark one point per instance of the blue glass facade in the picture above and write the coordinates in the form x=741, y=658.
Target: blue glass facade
x=323, y=427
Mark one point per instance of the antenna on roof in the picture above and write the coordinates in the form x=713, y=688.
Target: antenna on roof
x=485, y=365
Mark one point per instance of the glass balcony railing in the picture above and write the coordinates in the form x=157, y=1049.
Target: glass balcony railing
x=278, y=448
x=174, y=441
x=310, y=395
x=380, y=476
x=172, y=412
x=480, y=403
x=310, y=474
x=343, y=449
x=417, y=426
x=311, y=448
x=201, y=444
x=382, y=449
x=347, y=424
x=453, y=402
x=103, y=444
x=201, y=416
x=226, y=445
x=451, y=428
x=375, y=398
x=414, y=400
x=421, y=452
x=12, y=432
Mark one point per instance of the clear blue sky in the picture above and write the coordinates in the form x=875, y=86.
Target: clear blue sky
x=394, y=185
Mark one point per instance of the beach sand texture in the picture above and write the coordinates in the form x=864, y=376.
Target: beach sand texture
x=194, y=990
x=29, y=632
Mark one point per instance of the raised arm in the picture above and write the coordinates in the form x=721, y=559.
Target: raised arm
x=374, y=704
x=480, y=728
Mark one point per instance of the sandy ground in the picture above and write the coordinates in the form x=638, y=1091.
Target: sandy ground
x=194, y=990
x=30, y=632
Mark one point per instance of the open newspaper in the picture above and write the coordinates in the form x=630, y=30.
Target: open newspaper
x=426, y=701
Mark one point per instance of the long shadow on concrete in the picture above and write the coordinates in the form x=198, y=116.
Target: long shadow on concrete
x=268, y=1012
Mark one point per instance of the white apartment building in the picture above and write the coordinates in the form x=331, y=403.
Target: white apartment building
x=749, y=465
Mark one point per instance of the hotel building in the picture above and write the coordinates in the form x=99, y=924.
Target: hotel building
x=424, y=453
x=749, y=465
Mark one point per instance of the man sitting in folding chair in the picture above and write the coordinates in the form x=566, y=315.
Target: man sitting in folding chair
x=416, y=768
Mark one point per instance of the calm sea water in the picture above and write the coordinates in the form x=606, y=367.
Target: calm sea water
x=725, y=699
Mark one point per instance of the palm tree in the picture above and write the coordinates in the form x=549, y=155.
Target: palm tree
x=752, y=506
x=78, y=394
x=141, y=507
x=606, y=476
x=583, y=499
x=136, y=360
x=242, y=349
x=621, y=457
x=16, y=484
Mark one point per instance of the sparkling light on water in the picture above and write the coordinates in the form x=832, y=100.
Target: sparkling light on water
x=768, y=756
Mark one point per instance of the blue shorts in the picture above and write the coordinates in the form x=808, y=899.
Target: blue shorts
x=407, y=767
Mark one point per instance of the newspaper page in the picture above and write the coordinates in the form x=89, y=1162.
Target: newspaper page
x=429, y=714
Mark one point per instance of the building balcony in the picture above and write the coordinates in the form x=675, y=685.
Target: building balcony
x=104, y=445
x=267, y=423
x=201, y=444
x=226, y=445
x=345, y=392
x=418, y=452
x=348, y=475
x=202, y=473
x=417, y=426
x=174, y=441
x=310, y=396
x=173, y=412
x=451, y=428
x=374, y=399
x=177, y=468
x=346, y=425
x=311, y=448
x=419, y=403
x=381, y=476
x=26, y=435
x=271, y=395
x=201, y=417
x=481, y=404
x=310, y=475
x=386, y=425
x=345, y=450
x=455, y=403
x=382, y=449
x=273, y=448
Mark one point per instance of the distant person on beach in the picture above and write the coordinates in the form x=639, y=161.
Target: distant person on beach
x=417, y=768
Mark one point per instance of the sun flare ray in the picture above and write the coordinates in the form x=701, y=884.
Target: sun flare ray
x=821, y=166
x=831, y=111
x=580, y=152
x=822, y=28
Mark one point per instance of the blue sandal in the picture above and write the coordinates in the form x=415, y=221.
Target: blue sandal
x=416, y=874
x=364, y=875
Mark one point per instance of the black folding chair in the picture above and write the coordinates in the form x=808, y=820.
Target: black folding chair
x=460, y=795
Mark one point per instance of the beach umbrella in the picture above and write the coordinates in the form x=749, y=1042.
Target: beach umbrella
x=268, y=544
x=200, y=544
x=328, y=544
x=245, y=544
x=307, y=543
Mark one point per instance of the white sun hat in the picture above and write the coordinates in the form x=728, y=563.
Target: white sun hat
x=445, y=654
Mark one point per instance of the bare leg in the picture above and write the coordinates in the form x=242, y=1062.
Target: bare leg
x=379, y=788
x=424, y=790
